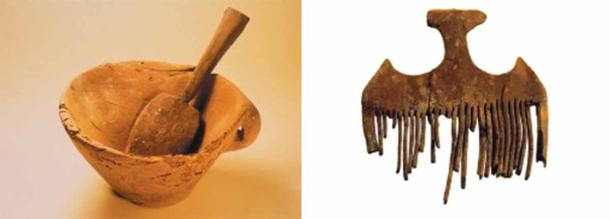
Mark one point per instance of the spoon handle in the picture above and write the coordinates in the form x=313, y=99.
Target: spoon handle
x=232, y=24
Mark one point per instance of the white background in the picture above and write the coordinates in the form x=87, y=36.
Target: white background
x=344, y=43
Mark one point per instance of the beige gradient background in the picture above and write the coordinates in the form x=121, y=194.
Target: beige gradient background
x=43, y=45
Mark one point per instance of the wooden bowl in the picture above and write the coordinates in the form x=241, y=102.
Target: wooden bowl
x=99, y=107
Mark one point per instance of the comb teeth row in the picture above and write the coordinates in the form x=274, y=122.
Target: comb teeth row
x=505, y=134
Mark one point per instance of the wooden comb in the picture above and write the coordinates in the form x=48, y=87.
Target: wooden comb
x=457, y=89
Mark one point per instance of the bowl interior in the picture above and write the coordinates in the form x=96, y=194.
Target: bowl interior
x=105, y=101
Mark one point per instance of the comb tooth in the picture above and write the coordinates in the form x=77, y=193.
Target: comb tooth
x=517, y=136
x=418, y=137
x=379, y=133
x=452, y=155
x=399, y=156
x=431, y=117
x=530, y=144
x=456, y=156
x=437, y=140
x=460, y=137
x=393, y=115
x=512, y=142
x=419, y=141
x=511, y=134
x=453, y=134
x=518, y=130
x=520, y=138
x=506, y=140
x=473, y=117
x=524, y=140
x=376, y=131
x=482, y=140
x=369, y=131
x=449, y=176
x=385, y=124
x=542, y=137
x=497, y=137
x=405, y=146
x=507, y=137
x=524, y=132
x=516, y=139
x=490, y=130
x=464, y=156
x=502, y=137
x=422, y=133
x=408, y=145
x=415, y=141
x=412, y=149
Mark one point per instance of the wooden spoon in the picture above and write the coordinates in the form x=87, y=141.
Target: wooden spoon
x=168, y=124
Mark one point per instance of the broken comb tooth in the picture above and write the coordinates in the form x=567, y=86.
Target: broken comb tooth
x=498, y=104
